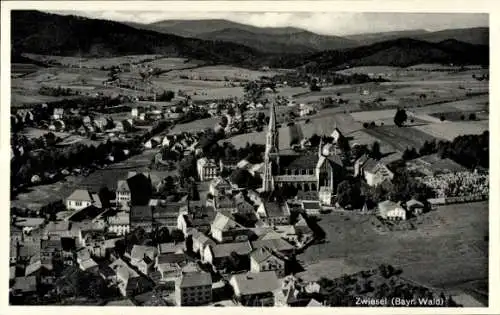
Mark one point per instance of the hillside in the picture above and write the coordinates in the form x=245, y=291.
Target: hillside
x=475, y=35
x=43, y=33
x=194, y=28
x=299, y=42
x=400, y=53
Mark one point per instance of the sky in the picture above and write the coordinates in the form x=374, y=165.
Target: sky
x=330, y=23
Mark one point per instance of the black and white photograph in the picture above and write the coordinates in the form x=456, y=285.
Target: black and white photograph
x=248, y=158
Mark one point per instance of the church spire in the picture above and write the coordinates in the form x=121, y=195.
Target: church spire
x=271, y=155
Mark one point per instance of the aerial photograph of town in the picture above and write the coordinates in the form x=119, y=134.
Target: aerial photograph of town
x=250, y=159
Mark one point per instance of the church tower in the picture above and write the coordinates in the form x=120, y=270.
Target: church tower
x=271, y=155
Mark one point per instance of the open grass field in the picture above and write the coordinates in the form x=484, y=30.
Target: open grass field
x=93, y=62
x=197, y=125
x=260, y=138
x=324, y=124
x=221, y=73
x=442, y=251
x=462, y=115
x=400, y=138
x=449, y=130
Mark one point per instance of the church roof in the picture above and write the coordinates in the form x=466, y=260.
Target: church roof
x=303, y=161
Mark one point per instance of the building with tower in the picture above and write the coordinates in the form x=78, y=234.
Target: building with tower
x=303, y=171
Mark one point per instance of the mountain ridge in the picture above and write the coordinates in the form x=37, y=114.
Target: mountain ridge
x=52, y=34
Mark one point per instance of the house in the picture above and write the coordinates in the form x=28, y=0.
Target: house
x=228, y=163
x=244, y=207
x=165, y=214
x=311, y=208
x=277, y=245
x=81, y=199
x=24, y=286
x=374, y=172
x=314, y=303
x=263, y=259
x=219, y=254
x=219, y=186
x=225, y=229
x=207, y=169
x=141, y=216
x=16, y=234
x=119, y=223
x=255, y=289
x=225, y=204
x=274, y=213
x=141, y=187
x=89, y=265
x=50, y=250
x=58, y=113
x=415, y=207
x=123, y=195
x=128, y=280
x=42, y=271
x=197, y=220
x=391, y=210
x=175, y=248
x=193, y=288
x=200, y=241
x=336, y=135
x=139, y=252
x=169, y=273
x=151, y=143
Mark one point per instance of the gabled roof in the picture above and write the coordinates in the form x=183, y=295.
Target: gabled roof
x=171, y=258
x=139, y=251
x=122, y=186
x=275, y=209
x=311, y=205
x=387, y=205
x=120, y=268
x=255, y=283
x=195, y=279
x=313, y=303
x=81, y=195
x=262, y=254
x=414, y=203
x=219, y=181
x=274, y=244
x=225, y=250
x=224, y=223
x=202, y=238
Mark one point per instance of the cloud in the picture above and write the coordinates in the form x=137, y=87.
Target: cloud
x=331, y=23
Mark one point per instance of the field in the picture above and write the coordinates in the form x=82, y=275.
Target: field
x=449, y=130
x=441, y=252
x=400, y=138
x=221, y=73
x=260, y=138
x=93, y=62
x=197, y=125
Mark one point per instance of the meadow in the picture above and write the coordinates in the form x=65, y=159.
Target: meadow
x=448, y=130
x=400, y=138
x=441, y=252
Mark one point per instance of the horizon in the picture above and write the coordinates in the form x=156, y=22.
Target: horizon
x=331, y=24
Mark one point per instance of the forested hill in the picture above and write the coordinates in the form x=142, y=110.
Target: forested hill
x=51, y=34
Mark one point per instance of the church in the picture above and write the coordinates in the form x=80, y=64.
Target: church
x=317, y=172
